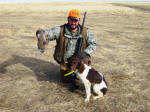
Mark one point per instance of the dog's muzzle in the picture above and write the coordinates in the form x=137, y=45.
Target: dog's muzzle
x=41, y=50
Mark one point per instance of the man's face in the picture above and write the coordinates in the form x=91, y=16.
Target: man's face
x=73, y=22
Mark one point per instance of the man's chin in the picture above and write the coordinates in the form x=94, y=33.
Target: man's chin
x=73, y=28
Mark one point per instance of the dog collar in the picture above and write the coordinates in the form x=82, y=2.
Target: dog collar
x=67, y=74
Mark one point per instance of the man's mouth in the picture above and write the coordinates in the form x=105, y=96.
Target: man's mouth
x=73, y=26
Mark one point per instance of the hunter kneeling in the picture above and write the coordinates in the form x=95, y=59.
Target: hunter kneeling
x=71, y=39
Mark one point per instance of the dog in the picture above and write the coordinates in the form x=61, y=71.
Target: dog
x=90, y=78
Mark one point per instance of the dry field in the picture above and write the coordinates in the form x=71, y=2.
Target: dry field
x=29, y=80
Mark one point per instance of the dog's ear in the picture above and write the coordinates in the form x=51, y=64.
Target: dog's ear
x=89, y=62
x=81, y=66
x=81, y=62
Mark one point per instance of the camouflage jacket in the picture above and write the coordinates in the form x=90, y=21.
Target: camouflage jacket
x=72, y=37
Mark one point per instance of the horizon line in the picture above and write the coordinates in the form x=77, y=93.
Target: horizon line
x=38, y=1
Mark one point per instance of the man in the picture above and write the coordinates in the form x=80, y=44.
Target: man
x=67, y=38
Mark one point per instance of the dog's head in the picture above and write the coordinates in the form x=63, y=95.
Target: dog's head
x=74, y=63
x=78, y=61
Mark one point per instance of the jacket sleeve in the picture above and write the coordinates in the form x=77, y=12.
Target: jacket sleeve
x=53, y=33
x=91, y=42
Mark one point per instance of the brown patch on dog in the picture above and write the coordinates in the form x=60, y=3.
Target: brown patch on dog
x=85, y=58
x=93, y=76
x=73, y=63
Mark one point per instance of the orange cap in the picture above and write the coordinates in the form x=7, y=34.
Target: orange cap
x=74, y=13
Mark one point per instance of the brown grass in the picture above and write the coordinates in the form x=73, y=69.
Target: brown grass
x=29, y=80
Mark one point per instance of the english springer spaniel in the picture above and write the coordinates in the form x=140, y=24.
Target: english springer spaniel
x=90, y=78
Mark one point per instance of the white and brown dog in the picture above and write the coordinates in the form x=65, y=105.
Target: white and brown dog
x=90, y=78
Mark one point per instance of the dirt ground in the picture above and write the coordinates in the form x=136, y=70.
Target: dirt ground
x=30, y=81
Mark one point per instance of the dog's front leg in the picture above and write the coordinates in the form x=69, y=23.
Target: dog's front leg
x=88, y=91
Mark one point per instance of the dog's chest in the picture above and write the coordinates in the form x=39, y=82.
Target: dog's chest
x=83, y=76
x=90, y=75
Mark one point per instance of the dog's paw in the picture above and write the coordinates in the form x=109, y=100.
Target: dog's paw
x=87, y=100
x=97, y=97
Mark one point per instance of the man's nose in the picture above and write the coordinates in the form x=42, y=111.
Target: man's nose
x=73, y=22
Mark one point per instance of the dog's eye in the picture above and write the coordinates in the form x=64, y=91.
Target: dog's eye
x=74, y=62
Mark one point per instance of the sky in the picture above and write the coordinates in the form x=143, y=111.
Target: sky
x=62, y=0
